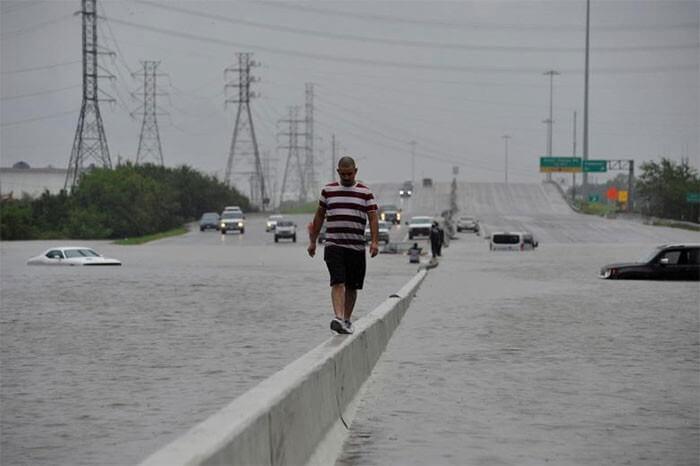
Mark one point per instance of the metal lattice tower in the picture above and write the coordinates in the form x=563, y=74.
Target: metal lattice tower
x=149, y=139
x=293, y=155
x=309, y=167
x=90, y=142
x=244, y=124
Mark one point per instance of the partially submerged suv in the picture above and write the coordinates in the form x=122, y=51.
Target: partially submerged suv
x=390, y=213
x=512, y=241
x=232, y=221
x=667, y=262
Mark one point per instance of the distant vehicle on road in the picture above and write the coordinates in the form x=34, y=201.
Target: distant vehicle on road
x=419, y=226
x=232, y=221
x=390, y=213
x=427, y=182
x=232, y=208
x=512, y=241
x=73, y=255
x=286, y=229
x=467, y=223
x=407, y=189
x=666, y=262
x=272, y=222
x=384, y=228
x=209, y=220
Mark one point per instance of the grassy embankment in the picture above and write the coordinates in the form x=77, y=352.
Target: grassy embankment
x=153, y=237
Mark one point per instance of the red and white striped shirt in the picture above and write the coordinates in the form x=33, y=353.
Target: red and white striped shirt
x=346, y=213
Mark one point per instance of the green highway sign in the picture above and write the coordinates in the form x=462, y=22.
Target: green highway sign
x=560, y=164
x=692, y=197
x=595, y=166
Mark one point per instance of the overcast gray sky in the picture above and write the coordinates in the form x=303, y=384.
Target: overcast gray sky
x=453, y=76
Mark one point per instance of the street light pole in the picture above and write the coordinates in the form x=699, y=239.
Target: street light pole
x=413, y=163
x=550, y=120
x=584, y=182
x=505, y=138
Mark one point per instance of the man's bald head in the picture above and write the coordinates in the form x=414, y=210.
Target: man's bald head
x=346, y=162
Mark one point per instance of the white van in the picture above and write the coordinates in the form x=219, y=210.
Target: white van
x=512, y=241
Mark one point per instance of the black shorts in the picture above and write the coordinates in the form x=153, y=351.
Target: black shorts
x=345, y=266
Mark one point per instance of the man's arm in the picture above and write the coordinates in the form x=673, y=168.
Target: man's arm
x=374, y=232
x=315, y=228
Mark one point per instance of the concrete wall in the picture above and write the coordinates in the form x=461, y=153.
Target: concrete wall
x=300, y=414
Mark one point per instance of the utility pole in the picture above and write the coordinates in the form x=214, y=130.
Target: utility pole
x=294, y=149
x=149, y=139
x=309, y=168
x=413, y=163
x=550, y=120
x=90, y=141
x=244, y=121
x=584, y=187
x=573, y=174
x=505, y=138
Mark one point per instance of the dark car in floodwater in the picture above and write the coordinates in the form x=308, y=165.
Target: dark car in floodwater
x=667, y=262
x=209, y=220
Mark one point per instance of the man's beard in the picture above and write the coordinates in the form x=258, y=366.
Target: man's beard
x=347, y=183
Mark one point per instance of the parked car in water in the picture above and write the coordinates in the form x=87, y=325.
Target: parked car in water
x=286, y=229
x=390, y=213
x=272, y=222
x=232, y=221
x=209, y=220
x=666, y=262
x=467, y=223
x=72, y=255
x=419, y=226
x=384, y=228
x=512, y=241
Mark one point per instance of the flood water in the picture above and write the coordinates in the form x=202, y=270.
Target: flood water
x=530, y=359
x=105, y=365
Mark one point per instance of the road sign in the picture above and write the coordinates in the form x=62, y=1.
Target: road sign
x=595, y=166
x=593, y=198
x=612, y=193
x=692, y=197
x=560, y=164
x=622, y=196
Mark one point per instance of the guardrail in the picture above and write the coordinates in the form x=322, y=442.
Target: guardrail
x=301, y=414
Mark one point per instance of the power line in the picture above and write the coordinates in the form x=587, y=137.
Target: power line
x=471, y=25
x=393, y=64
x=44, y=67
x=18, y=32
x=411, y=43
x=49, y=91
x=30, y=120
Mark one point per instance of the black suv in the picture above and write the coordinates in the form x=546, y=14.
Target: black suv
x=667, y=262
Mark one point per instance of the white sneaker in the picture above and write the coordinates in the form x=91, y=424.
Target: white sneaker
x=348, y=326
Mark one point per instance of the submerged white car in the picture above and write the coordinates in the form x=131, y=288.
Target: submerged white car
x=73, y=255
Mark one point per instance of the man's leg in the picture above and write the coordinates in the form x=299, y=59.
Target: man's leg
x=349, y=304
x=338, y=298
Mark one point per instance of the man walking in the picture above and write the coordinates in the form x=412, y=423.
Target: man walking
x=346, y=206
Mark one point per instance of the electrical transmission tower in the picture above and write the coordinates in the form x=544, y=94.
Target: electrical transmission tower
x=293, y=155
x=310, y=184
x=243, y=125
x=90, y=141
x=149, y=139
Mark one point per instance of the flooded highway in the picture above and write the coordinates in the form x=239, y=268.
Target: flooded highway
x=106, y=365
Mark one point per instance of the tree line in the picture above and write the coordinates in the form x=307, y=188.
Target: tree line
x=128, y=201
x=660, y=190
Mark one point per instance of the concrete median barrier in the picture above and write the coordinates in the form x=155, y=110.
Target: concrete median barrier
x=301, y=414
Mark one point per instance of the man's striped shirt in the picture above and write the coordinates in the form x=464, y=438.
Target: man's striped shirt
x=346, y=213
